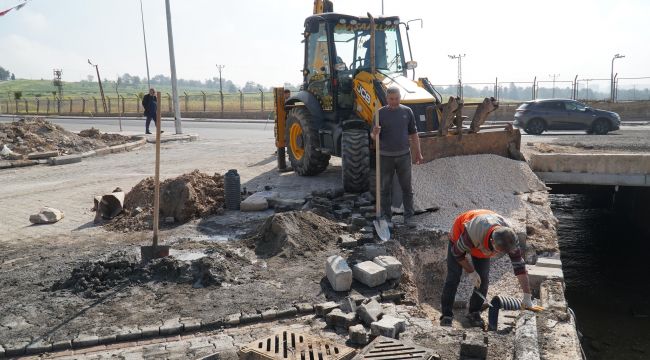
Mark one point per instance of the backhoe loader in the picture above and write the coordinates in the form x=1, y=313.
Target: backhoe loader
x=349, y=62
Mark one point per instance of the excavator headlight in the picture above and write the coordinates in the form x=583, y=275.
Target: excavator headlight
x=387, y=22
x=353, y=22
x=342, y=21
x=395, y=22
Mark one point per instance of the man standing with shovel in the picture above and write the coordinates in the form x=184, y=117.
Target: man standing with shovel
x=396, y=127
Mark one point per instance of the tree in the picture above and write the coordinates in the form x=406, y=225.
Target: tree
x=13, y=77
x=4, y=74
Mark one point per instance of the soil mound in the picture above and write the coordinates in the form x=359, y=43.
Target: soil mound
x=109, y=139
x=37, y=135
x=294, y=233
x=189, y=196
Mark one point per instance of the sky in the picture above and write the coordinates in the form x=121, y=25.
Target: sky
x=259, y=40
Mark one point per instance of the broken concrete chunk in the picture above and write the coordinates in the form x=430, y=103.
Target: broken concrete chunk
x=324, y=308
x=47, y=215
x=369, y=273
x=338, y=273
x=257, y=201
x=392, y=295
x=370, y=312
x=391, y=264
x=474, y=345
x=348, y=305
x=537, y=274
x=42, y=155
x=347, y=241
x=338, y=318
x=286, y=204
x=358, y=335
x=388, y=326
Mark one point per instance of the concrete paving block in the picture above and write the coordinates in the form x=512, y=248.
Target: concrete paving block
x=537, y=274
x=66, y=159
x=288, y=312
x=83, y=340
x=128, y=334
x=38, y=347
x=61, y=345
x=42, y=155
x=393, y=295
x=388, y=326
x=171, y=329
x=338, y=318
x=347, y=241
x=391, y=264
x=270, y=314
x=338, y=273
x=150, y=330
x=369, y=273
x=233, y=319
x=370, y=312
x=16, y=348
x=474, y=345
x=192, y=325
x=250, y=318
x=304, y=308
x=371, y=251
x=324, y=308
x=366, y=239
x=549, y=262
x=348, y=305
x=359, y=335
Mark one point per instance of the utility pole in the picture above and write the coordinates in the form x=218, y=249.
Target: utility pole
x=146, y=55
x=611, y=85
x=553, y=76
x=101, y=88
x=172, y=64
x=382, y=7
x=460, y=72
x=220, y=67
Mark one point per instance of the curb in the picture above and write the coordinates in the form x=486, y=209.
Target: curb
x=184, y=326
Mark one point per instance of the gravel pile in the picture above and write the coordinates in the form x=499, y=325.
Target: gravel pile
x=458, y=184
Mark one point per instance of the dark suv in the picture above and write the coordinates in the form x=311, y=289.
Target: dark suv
x=537, y=116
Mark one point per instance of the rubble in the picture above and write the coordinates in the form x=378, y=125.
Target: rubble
x=258, y=201
x=359, y=335
x=46, y=215
x=325, y=308
x=337, y=318
x=338, y=273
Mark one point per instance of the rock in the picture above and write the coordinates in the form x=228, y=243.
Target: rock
x=358, y=335
x=370, y=312
x=391, y=264
x=325, y=308
x=338, y=273
x=304, y=308
x=338, y=318
x=342, y=213
x=258, y=201
x=47, y=215
x=388, y=326
x=474, y=345
x=369, y=273
x=347, y=241
x=348, y=305
x=137, y=210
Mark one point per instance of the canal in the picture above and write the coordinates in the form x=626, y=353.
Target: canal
x=604, y=238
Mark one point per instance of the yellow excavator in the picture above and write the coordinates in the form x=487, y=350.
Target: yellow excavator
x=349, y=63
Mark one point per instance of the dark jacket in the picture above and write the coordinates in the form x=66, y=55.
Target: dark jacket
x=149, y=103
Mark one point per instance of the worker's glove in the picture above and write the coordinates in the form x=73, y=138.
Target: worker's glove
x=475, y=279
x=527, y=303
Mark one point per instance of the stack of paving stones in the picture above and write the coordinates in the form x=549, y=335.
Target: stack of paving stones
x=355, y=210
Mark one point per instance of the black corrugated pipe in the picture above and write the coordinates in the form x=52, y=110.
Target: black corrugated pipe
x=498, y=303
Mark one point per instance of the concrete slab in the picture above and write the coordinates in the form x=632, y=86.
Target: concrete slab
x=370, y=312
x=369, y=273
x=537, y=274
x=66, y=159
x=388, y=326
x=338, y=273
x=391, y=264
x=42, y=155
x=549, y=262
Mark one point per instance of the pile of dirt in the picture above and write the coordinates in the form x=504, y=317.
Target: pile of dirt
x=109, y=139
x=91, y=279
x=37, y=135
x=294, y=233
x=186, y=197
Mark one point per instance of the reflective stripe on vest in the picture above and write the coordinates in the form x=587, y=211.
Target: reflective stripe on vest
x=479, y=225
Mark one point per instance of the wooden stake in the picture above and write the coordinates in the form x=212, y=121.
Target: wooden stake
x=156, y=196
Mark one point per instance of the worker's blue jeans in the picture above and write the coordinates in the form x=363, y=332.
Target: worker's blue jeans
x=454, y=272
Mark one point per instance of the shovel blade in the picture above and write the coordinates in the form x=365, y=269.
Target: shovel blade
x=382, y=230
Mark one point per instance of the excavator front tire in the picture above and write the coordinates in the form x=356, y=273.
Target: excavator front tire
x=303, y=144
x=355, y=156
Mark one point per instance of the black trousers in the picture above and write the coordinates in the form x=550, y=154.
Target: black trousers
x=149, y=118
x=454, y=271
x=400, y=165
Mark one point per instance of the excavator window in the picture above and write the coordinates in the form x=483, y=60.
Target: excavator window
x=352, y=44
x=317, y=66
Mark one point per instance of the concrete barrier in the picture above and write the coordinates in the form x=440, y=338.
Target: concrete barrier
x=67, y=159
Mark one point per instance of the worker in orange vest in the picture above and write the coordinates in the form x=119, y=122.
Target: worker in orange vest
x=483, y=234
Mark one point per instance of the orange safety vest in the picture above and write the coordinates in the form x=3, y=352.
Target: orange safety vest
x=481, y=248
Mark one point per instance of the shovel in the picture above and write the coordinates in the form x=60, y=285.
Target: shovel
x=381, y=225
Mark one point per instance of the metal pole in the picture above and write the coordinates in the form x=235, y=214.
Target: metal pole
x=220, y=67
x=172, y=64
x=144, y=37
x=156, y=196
x=101, y=88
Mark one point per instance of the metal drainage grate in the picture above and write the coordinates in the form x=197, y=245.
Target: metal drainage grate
x=294, y=346
x=384, y=348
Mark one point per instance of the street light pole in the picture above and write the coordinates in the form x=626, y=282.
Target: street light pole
x=172, y=64
x=220, y=67
x=460, y=72
x=611, y=87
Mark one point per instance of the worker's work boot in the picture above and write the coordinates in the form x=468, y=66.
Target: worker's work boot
x=475, y=320
x=446, y=321
x=409, y=222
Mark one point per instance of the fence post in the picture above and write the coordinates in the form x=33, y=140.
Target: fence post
x=137, y=104
x=186, y=101
x=534, y=94
x=262, y=93
x=70, y=105
x=203, y=92
x=169, y=100
x=109, y=105
x=48, y=106
x=26, y=107
x=496, y=88
x=221, y=97
x=241, y=101
x=58, y=105
x=38, y=106
x=95, y=102
x=16, y=105
x=122, y=105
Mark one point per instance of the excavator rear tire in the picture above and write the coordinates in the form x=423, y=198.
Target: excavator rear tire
x=355, y=156
x=303, y=144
